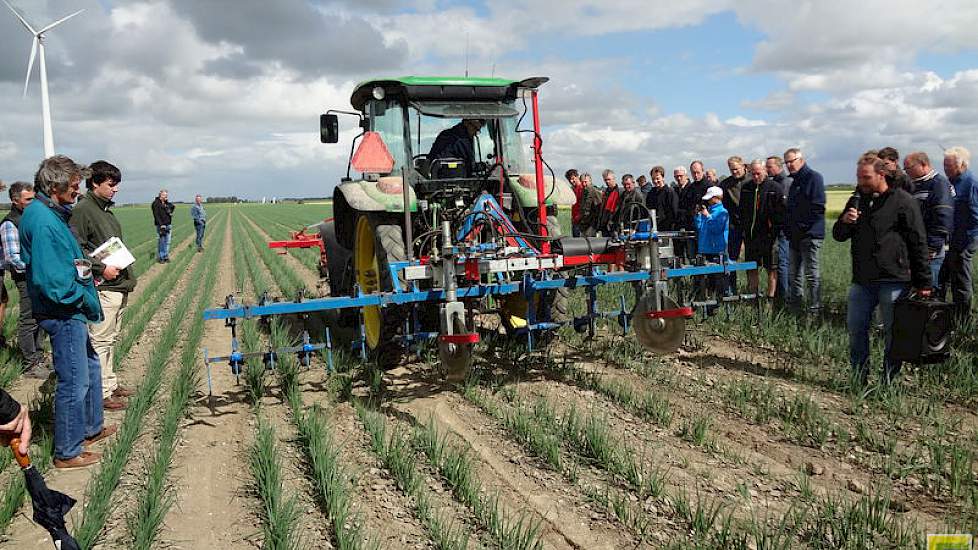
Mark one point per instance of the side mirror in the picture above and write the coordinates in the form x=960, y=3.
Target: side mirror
x=329, y=128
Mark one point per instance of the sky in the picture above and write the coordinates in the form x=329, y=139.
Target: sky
x=222, y=97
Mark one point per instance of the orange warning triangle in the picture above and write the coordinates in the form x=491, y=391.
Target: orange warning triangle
x=372, y=155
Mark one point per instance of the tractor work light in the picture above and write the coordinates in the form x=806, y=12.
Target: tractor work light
x=378, y=93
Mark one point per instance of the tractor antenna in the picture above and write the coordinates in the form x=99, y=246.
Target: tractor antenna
x=466, y=55
x=493, y=73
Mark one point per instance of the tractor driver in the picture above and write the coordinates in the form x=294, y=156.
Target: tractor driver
x=457, y=142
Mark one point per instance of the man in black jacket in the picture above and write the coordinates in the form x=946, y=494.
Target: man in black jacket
x=731, y=186
x=663, y=200
x=761, y=213
x=889, y=255
x=163, y=218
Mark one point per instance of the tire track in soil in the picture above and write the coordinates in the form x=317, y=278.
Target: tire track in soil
x=213, y=506
x=23, y=533
x=764, y=448
x=567, y=518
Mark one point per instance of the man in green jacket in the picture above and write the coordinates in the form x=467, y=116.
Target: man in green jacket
x=64, y=301
x=93, y=224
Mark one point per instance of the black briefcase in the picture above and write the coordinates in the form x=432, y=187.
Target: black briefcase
x=921, y=330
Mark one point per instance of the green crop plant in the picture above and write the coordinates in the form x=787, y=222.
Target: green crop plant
x=868, y=522
x=619, y=504
x=456, y=469
x=330, y=479
x=287, y=280
x=538, y=440
x=103, y=483
x=399, y=457
x=138, y=314
x=695, y=430
x=280, y=512
x=155, y=498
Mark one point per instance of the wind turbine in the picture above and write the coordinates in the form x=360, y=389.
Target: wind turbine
x=37, y=46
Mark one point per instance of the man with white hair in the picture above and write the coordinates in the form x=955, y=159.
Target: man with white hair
x=761, y=213
x=956, y=271
x=936, y=200
x=805, y=225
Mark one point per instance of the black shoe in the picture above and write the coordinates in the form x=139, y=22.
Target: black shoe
x=38, y=371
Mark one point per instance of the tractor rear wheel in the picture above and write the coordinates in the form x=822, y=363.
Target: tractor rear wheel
x=339, y=273
x=376, y=246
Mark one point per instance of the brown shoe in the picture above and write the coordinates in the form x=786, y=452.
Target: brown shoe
x=122, y=391
x=106, y=432
x=86, y=458
x=114, y=403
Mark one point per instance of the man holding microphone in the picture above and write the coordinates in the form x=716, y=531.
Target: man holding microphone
x=889, y=257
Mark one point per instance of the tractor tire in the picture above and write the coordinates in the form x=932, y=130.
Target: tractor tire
x=377, y=245
x=342, y=323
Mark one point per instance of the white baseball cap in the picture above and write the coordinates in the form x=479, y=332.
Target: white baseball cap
x=713, y=192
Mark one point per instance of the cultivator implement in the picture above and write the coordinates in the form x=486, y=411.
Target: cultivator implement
x=429, y=253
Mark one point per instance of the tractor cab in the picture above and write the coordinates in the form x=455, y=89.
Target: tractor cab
x=449, y=139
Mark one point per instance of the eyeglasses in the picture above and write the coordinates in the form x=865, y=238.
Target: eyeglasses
x=786, y=161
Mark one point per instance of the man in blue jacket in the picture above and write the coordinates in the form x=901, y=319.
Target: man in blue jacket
x=64, y=301
x=956, y=271
x=936, y=200
x=806, y=230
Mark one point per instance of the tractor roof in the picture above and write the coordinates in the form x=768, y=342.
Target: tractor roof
x=454, y=88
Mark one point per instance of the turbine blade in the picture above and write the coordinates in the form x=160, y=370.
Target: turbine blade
x=30, y=64
x=58, y=22
x=22, y=20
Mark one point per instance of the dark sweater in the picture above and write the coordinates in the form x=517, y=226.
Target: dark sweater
x=93, y=223
x=665, y=202
x=761, y=210
x=806, y=206
x=162, y=212
x=888, y=240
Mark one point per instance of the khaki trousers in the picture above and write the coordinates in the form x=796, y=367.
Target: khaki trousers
x=106, y=334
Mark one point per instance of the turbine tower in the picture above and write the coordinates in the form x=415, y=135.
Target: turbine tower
x=37, y=47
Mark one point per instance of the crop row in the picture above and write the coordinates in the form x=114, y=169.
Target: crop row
x=103, y=483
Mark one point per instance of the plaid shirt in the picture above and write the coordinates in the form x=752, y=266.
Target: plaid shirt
x=10, y=239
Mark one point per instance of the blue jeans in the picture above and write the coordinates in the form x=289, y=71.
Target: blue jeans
x=78, y=396
x=935, y=269
x=199, y=228
x=863, y=299
x=783, y=266
x=735, y=239
x=804, y=257
x=163, y=246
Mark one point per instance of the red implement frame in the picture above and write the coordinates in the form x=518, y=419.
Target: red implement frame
x=686, y=312
x=538, y=164
x=301, y=239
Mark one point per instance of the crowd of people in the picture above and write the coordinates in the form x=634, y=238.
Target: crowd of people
x=912, y=229
x=47, y=241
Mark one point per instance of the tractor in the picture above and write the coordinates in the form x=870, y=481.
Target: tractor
x=453, y=219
